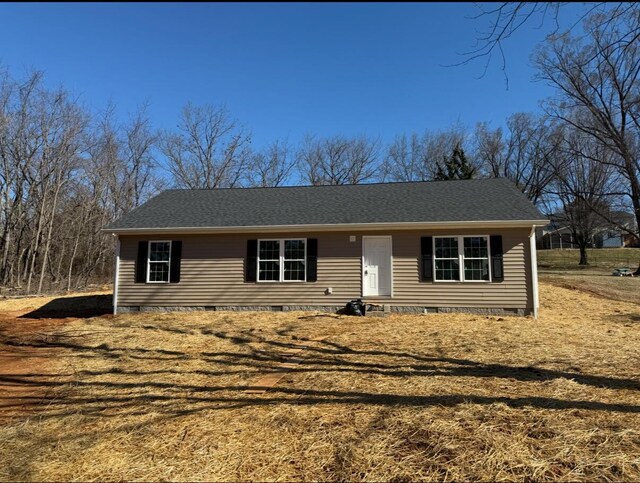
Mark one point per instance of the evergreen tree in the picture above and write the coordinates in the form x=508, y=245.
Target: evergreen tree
x=455, y=166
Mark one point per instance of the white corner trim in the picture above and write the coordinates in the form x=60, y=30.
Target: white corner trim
x=116, y=276
x=534, y=271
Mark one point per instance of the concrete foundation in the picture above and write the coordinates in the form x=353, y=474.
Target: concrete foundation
x=410, y=309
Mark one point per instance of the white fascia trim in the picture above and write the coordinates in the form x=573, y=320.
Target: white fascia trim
x=332, y=227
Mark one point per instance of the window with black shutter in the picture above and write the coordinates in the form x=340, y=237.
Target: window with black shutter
x=159, y=261
x=459, y=258
x=282, y=260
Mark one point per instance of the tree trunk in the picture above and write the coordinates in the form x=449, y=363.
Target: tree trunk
x=583, y=255
x=5, y=258
x=36, y=242
x=48, y=239
x=582, y=242
x=73, y=256
x=58, y=275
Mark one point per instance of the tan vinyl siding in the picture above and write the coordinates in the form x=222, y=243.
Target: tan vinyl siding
x=510, y=293
x=212, y=274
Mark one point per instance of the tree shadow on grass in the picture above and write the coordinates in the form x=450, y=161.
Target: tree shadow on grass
x=139, y=391
x=114, y=402
x=626, y=319
x=328, y=357
x=82, y=307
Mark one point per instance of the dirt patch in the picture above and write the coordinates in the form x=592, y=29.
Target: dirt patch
x=18, y=358
x=27, y=365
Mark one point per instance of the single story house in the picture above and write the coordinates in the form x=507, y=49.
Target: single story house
x=434, y=246
x=558, y=233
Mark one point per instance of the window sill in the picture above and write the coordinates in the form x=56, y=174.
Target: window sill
x=462, y=281
x=280, y=282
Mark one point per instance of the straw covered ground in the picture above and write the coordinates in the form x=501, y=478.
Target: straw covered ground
x=407, y=397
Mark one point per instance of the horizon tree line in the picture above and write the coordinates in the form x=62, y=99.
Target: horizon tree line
x=65, y=172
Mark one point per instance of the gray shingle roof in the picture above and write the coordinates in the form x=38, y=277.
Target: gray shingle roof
x=433, y=201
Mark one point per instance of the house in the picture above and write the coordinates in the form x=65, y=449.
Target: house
x=558, y=233
x=555, y=235
x=420, y=246
x=613, y=237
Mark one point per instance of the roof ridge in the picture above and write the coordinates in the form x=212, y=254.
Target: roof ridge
x=431, y=181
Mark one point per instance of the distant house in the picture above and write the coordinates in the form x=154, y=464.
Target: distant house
x=555, y=235
x=613, y=236
x=559, y=235
x=421, y=247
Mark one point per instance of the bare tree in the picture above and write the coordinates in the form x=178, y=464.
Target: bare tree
x=339, y=160
x=123, y=156
x=138, y=141
x=270, y=167
x=406, y=160
x=208, y=150
x=62, y=129
x=599, y=76
x=583, y=181
x=524, y=154
x=415, y=158
x=61, y=182
x=507, y=18
x=42, y=134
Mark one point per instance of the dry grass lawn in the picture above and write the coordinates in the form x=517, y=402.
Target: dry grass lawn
x=626, y=289
x=604, y=259
x=560, y=268
x=408, y=397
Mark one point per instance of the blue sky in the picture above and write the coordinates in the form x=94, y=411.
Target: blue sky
x=283, y=69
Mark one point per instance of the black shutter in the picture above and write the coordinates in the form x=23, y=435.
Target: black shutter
x=497, y=268
x=426, y=271
x=312, y=259
x=251, y=262
x=141, y=262
x=176, y=256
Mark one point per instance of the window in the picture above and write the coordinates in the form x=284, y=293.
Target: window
x=294, y=260
x=476, y=258
x=282, y=260
x=447, y=259
x=269, y=260
x=158, y=261
x=471, y=264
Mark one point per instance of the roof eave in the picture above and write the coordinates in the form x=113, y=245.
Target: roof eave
x=331, y=227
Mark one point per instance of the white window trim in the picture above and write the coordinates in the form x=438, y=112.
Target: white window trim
x=281, y=260
x=149, y=260
x=461, y=258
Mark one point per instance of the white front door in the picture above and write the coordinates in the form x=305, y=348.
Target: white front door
x=376, y=258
